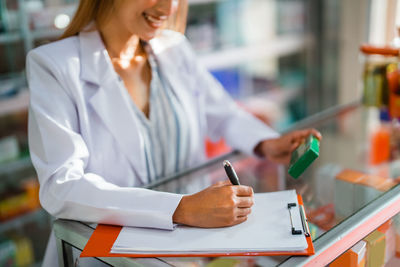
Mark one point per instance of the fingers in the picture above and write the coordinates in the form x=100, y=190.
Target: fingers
x=222, y=183
x=219, y=205
x=238, y=220
x=297, y=137
x=242, y=212
x=300, y=135
x=316, y=134
x=306, y=132
x=294, y=145
x=242, y=190
x=244, y=202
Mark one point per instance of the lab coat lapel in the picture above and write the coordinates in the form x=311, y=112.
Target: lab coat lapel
x=111, y=101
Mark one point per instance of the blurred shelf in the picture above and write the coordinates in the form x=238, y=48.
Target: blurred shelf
x=283, y=45
x=9, y=37
x=15, y=165
x=23, y=219
x=15, y=103
x=46, y=33
x=35, y=34
x=279, y=96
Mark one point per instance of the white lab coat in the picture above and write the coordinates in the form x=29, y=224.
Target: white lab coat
x=83, y=138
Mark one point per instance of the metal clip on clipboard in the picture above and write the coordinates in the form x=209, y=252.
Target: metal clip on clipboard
x=303, y=220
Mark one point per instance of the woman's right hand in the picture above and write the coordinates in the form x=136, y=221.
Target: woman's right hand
x=219, y=205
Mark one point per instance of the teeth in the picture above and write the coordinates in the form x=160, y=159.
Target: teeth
x=155, y=20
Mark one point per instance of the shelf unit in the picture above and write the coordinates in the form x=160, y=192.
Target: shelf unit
x=18, y=222
x=15, y=171
x=7, y=168
x=10, y=37
x=15, y=103
x=46, y=33
x=279, y=46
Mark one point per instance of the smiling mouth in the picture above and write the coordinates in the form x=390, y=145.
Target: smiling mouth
x=154, y=21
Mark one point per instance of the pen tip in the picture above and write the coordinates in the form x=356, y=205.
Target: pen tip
x=227, y=163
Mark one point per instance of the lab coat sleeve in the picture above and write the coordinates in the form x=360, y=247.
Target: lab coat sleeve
x=60, y=156
x=224, y=117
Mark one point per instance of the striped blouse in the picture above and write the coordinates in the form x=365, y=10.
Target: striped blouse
x=165, y=132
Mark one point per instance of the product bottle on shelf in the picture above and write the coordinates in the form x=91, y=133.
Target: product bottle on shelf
x=392, y=76
x=375, y=91
x=382, y=90
x=379, y=77
x=379, y=132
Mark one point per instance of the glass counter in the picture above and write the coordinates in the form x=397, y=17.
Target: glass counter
x=335, y=225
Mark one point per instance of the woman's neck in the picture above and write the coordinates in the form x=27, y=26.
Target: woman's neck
x=120, y=45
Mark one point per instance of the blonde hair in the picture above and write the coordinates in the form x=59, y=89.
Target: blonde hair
x=100, y=10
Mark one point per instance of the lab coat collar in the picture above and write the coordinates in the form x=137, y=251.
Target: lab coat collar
x=96, y=65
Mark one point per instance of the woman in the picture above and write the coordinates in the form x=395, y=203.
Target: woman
x=120, y=101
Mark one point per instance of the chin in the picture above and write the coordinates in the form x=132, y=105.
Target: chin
x=149, y=36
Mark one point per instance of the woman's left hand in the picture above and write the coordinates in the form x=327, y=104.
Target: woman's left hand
x=279, y=150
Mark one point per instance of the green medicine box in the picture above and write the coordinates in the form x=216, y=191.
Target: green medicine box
x=303, y=156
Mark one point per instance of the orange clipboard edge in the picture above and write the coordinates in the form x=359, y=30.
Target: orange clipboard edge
x=104, y=236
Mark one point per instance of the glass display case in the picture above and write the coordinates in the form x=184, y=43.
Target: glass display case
x=346, y=196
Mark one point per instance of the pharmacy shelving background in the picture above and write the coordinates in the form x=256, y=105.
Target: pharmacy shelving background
x=262, y=51
x=233, y=38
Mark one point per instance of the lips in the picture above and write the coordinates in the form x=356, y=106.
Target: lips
x=155, y=21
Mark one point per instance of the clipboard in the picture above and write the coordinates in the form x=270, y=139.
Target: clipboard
x=104, y=236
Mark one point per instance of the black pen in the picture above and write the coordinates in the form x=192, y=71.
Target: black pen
x=231, y=173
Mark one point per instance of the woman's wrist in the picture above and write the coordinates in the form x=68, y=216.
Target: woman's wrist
x=180, y=213
x=261, y=149
x=258, y=151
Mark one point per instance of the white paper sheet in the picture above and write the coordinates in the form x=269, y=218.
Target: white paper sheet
x=268, y=228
